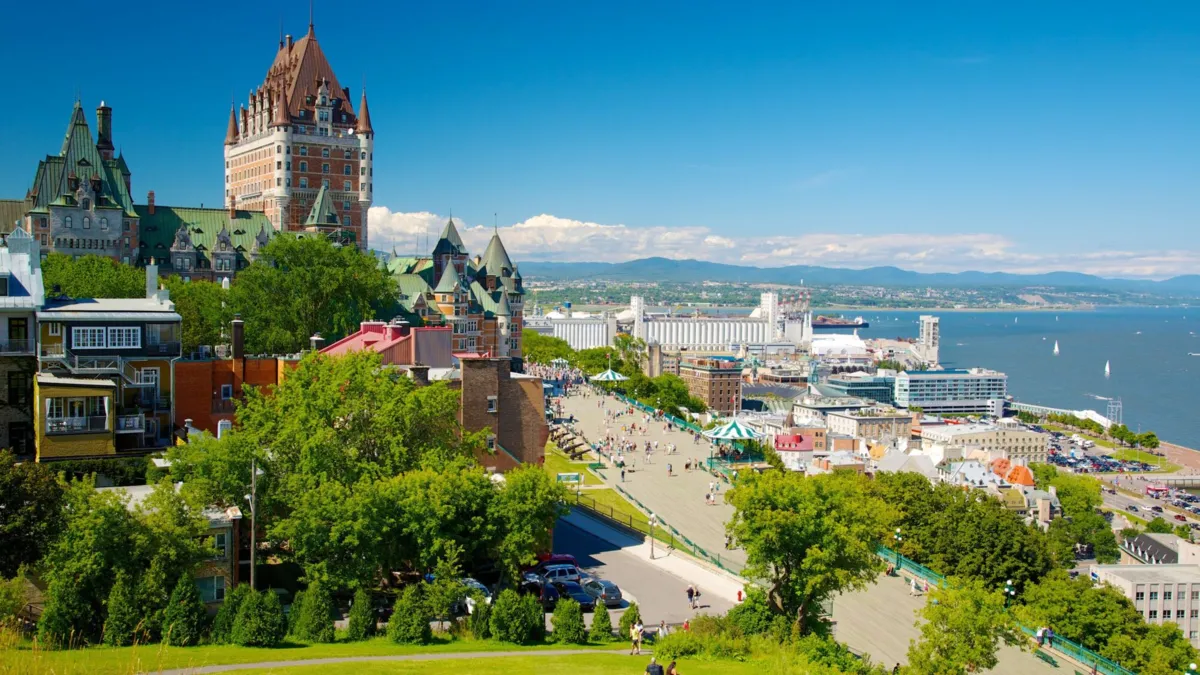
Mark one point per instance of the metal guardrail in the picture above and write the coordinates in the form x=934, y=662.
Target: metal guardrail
x=664, y=532
x=1076, y=651
x=17, y=346
x=76, y=425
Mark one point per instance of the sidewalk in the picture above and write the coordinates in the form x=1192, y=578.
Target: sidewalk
x=679, y=565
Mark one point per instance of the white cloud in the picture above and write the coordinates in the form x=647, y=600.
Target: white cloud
x=548, y=237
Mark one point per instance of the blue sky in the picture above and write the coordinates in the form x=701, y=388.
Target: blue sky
x=1015, y=135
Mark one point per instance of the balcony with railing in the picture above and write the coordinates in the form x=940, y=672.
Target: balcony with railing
x=131, y=424
x=53, y=351
x=17, y=346
x=164, y=349
x=76, y=425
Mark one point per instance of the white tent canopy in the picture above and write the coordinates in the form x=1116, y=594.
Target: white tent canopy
x=732, y=431
x=609, y=375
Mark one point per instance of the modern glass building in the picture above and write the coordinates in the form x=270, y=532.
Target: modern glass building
x=973, y=390
x=878, y=388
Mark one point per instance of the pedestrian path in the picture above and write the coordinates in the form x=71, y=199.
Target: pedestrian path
x=678, y=499
x=439, y=656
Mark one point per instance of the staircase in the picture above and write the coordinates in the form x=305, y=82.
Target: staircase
x=93, y=365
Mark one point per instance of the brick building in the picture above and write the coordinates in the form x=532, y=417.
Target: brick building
x=299, y=134
x=510, y=406
x=716, y=380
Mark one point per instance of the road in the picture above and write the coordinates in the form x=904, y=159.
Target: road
x=659, y=594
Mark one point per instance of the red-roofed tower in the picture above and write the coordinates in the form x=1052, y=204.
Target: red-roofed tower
x=297, y=133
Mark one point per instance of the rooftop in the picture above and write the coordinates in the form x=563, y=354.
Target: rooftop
x=48, y=379
x=1170, y=574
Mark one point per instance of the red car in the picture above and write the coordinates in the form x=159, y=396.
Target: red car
x=554, y=559
x=1180, y=517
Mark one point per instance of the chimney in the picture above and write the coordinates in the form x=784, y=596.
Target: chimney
x=316, y=342
x=237, y=331
x=104, y=131
x=289, y=42
x=150, y=202
x=232, y=207
x=152, y=279
x=420, y=374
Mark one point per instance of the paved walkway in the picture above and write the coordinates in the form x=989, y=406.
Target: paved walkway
x=441, y=656
x=677, y=500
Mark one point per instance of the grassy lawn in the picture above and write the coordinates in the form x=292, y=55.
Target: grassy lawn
x=589, y=664
x=25, y=660
x=613, y=505
x=557, y=462
x=1132, y=455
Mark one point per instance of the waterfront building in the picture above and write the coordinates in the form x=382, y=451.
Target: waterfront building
x=298, y=134
x=1161, y=593
x=482, y=299
x=841, y=352
x=814, y=408
x=881, y=424
x=716, y=380
x=880, y=388
x=770, y=323
x=953, y=391
x=21, y=296
x=107, y=376
x=1006, y=439
x=929, y=337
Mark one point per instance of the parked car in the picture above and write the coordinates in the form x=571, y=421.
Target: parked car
x=1132, y=508
x=603, y=591
x=1156, y=508
x=471, y=587
x=571, y=589
x=532, y=584
x=1180, y=517
x=556, y=559
x=556, y=573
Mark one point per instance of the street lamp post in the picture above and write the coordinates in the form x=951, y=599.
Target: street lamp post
x=253, y=499
x=653, y=522
x=897, y=539
x=1009, y=592
x=1193, y=669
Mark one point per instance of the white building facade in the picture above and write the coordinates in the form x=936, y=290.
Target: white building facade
x=953, y=391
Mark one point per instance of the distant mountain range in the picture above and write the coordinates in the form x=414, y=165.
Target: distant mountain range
x=696, y=271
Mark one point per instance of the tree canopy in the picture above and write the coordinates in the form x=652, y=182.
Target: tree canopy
x=91, y=276
x=538, y=348
x=964, y=626
x=808, y=538
x=30, y=512
x=204, y=307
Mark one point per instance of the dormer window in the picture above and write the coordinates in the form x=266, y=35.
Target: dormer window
x=86, y=204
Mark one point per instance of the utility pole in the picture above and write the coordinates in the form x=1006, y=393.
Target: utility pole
x=253, y=498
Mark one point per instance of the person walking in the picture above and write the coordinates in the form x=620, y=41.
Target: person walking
x=668, y=470
x=622, y=473
x=639, y=631
x=662, y=629
x=691, y=596
x=912, y=589
x=633, y=641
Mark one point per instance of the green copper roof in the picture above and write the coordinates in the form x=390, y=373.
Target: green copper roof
x=450, y=242
x=502, y=308
x=322, y=213
x=80, y=157
x=495, y=258
x=11, y=210
x=248, y=231
x=449, y=281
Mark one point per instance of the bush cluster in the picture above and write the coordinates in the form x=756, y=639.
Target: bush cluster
x=568, y=623
x=410, y=618
x=517, y=619
x=222, y=626
x=186, y=618
x=480, y=621
x=362, y=616
x=314, y=614
x=601, y=624
x=260, y=621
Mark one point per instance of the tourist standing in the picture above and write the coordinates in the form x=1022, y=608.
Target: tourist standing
x=691, y=596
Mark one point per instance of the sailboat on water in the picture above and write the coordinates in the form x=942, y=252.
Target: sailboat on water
x=1107, y=368
x=1056, y=347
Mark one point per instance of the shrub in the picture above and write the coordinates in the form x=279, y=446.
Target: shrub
x=222, y=628
x=512, y=620
x=13, y=597
x=481, y=619
x=65, y=617
x=410, y=618
x=568, y=623
x=362, y=616
x=316, y=614
x=123, y=616
x=716, y=646
x=536, y=616
x=260, y=621
x=185, y=615
x=293, y=615
x=631, y=616
x=753, y=616
x=601, y=624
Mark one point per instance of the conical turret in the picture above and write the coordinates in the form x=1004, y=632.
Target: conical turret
x=231, y=134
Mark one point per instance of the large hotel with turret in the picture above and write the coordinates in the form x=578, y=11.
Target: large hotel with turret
x=298, y=158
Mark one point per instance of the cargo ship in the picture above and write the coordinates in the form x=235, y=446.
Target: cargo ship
x=836, y=322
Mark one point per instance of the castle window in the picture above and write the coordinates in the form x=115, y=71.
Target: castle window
x=125, y=225
x=346, y=205
x=87, y=204
x=104, y=223
x=346, y=170
x=324, y=168
x=87, y=223
x=362, y=171
x=303, y=166
x=346, y=186
x=325, y=183
x=325, y=152
x=303, y=182
x=279, y=149
x=363, y=156
x=303, y=148
x=346, y=155
x=289, y=166
x=67, y=221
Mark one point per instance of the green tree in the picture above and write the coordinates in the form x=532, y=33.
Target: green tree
x=568, y=623
x=303, y=286
x=808, y=538
x=205, y=311
x=186, y=615
x=91, y=276
x=296, y=611
x=362, y=620
x=754, y=615
x=525, y=511
x=538, y=348
x=1148, y=440
x=964, y=626
x=121, y=624
x=260, y=621
x=410, y=618
x=1159, y=526
x=602, y=628
x=480, y=621
x=30, y=512
x=1151, y=649
x=314, y=620
x=1077, y=610
x=632, y=615
x=1184, y=532
x=511, y=622
x=222, y=628
x=445, y=591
